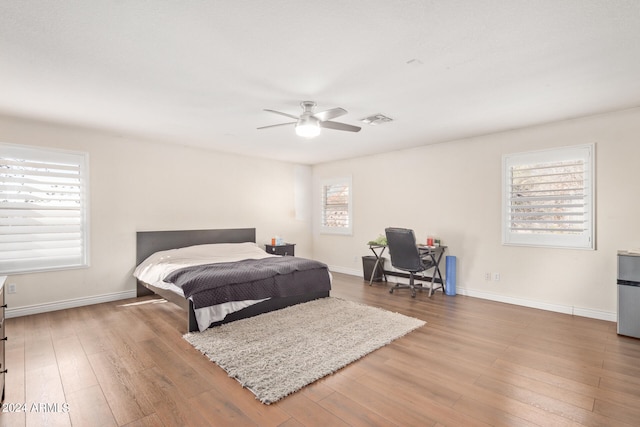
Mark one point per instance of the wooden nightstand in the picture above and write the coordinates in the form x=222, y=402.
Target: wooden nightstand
x=287, y=249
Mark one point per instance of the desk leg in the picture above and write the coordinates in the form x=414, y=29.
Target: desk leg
x=375, y=266
x=436, y=272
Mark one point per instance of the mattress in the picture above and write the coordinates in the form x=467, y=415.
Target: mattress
x=155, y=269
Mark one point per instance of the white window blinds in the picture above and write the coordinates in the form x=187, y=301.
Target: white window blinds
x=336, y=206
x=43, y=209
x=548, y=198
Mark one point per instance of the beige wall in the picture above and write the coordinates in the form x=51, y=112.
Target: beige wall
x=448, y=190
x=137, y=185
x=453, y=191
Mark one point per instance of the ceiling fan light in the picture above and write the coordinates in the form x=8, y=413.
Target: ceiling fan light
x=308, y=128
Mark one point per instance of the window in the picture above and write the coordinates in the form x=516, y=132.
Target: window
x=336, y=206
x=43, y=209
x=548, y=198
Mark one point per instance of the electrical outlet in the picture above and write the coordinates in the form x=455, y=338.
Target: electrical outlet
x=487, y=276
x=12, y=288
x=496, y=277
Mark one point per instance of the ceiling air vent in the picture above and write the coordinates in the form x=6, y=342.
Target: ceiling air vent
x=376, y=119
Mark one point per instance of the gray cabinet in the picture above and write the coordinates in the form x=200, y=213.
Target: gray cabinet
x=3, y=338
x=629, y=294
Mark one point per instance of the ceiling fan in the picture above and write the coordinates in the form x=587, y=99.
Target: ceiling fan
x=308, y=123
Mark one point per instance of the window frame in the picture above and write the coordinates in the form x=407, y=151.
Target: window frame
x=76, y=167
x=536, y=159
x=341, y=181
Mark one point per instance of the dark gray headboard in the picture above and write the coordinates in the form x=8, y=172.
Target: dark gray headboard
x=149, y=242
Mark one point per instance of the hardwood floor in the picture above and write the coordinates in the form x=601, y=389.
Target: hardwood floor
x=475, y=363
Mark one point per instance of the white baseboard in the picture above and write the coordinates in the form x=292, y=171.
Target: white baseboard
x=596, y=314
x=558, y=308
x=349, y=271
x=71, y=303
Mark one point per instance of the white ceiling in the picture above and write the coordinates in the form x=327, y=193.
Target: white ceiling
x=200, y=72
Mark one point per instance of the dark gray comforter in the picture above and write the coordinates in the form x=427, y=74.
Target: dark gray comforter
x=250, y=279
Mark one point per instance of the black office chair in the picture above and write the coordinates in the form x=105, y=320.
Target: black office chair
x=405, y=256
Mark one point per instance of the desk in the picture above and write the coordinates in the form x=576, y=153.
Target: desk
x=434, y=252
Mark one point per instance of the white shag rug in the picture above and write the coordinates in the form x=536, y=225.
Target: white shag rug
x=277, y=353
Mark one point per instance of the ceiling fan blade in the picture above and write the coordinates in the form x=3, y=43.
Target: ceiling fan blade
x=280, y=124
x=291, y=116
x=323, y=116
x=339, y=126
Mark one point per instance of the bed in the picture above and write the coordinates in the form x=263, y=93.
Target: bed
x=301, y=286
